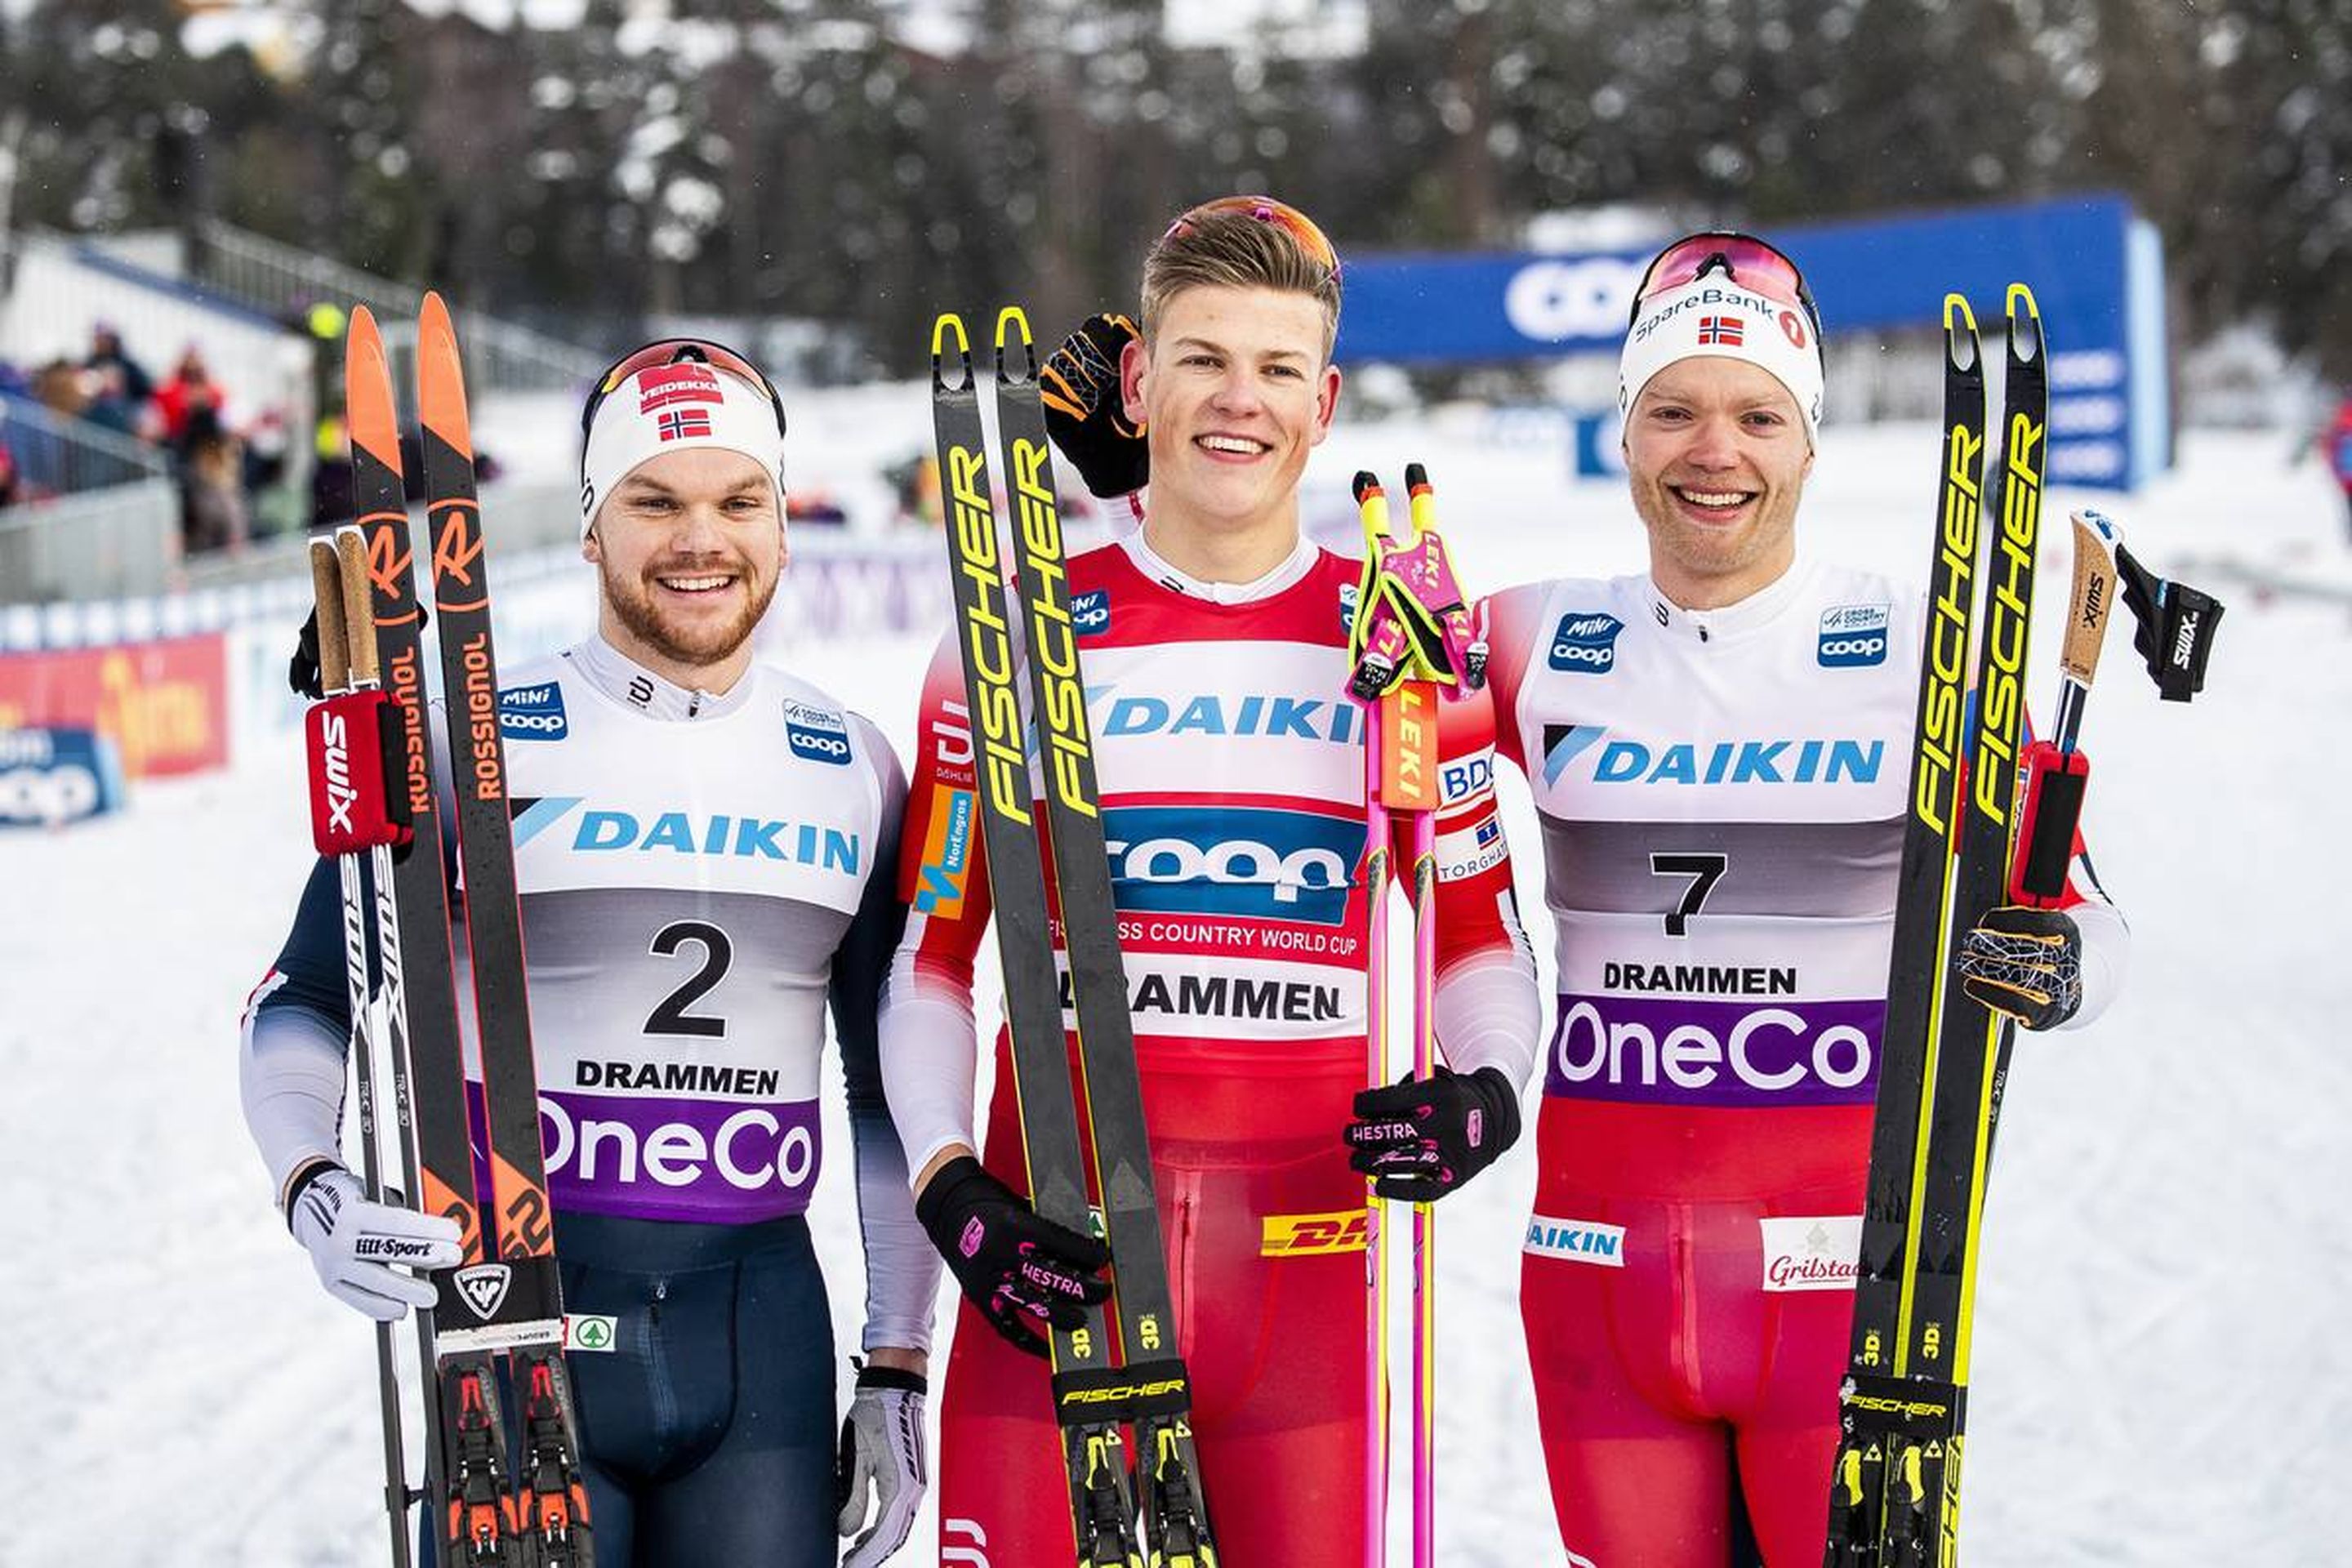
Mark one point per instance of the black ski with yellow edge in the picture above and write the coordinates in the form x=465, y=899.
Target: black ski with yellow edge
x=1156, y=1390
x=1088, y=1385
x=1894, y=1494
x=517, y=1295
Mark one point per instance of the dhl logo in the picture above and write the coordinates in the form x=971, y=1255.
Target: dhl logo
x=1053, y=638
x=1948, y=629
x=2003, y=698
x=990, y=646
x=1309, y=1234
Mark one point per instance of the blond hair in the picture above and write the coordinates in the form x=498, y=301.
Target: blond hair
x=1236, y=250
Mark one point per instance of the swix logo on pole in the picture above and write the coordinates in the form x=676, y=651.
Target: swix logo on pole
x=334, y=739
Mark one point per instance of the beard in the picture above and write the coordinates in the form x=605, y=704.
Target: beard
x=703, y=643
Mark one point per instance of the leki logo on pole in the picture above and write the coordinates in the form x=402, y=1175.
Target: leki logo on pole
x=484, y=1287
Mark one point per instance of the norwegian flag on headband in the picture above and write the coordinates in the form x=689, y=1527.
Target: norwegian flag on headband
x=683, y=424
x=1722, y=331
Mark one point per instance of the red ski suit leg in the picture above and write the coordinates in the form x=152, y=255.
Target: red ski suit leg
x=1666, y=1333
x=1273, y=1342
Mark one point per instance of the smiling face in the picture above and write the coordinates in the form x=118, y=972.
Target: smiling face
x=688, y=549
x=1716, y=455
x=1234, y=391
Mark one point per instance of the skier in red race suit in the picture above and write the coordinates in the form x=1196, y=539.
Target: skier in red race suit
x=1719, y=751
x=2335, y=447
x=1232, y=777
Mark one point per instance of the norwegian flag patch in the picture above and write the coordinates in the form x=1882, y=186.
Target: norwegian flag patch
x=1727, y=332
x=683, y=424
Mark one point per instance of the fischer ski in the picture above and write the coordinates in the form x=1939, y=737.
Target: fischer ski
x=1149, y=1388
x=1894, y=1498
x=1167, y=1470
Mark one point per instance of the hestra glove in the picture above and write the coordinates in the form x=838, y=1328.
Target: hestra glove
x=1419, y=1138
x=1022, y=1270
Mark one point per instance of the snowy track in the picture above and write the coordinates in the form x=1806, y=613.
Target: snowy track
x=2157, y=1376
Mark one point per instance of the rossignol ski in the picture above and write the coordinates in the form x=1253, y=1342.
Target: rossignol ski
x=1147, y=1387
x=1894, y=1496
x=521, y=1288
x=503, y=1298
x=466, y=1434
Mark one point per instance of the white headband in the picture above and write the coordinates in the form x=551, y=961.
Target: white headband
x=677, y=408
x=1713, y=315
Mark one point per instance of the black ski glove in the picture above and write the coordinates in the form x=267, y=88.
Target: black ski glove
x=302, y=671
x=2026, y=963
x=1022, y=1270
x=1420, y=1139
x=1084, y=412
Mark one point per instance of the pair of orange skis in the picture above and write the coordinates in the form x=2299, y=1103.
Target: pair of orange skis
x=502, y=1494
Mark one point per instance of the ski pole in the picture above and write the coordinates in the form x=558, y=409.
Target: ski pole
x=1373, y=505
x=347, y=669
x=1422, y=514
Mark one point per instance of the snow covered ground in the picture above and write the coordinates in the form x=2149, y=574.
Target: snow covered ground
x=2160, y=1377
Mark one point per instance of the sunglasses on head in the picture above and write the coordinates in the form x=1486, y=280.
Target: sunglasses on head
x=679, y=351
x=1741, y=257
x=1266, y=209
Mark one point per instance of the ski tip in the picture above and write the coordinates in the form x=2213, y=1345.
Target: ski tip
x=1014, y=335
x=1367, y=485
x=368, y=411
x=1959, y=315
x=949, y=325
x=1416, y=478
x=2024, y=324
x=441, y=377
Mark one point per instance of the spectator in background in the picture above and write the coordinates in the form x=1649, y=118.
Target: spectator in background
x=212, y=495
x=190, y=403
x=109, y=404
x=2336, y=447
x=107, y=353
x=8, y=482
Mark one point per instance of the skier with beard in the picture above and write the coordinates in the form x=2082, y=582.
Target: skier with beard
x=704, y=848
x=1719, y=751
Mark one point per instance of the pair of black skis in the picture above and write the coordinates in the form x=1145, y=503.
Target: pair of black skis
x=1097, y=1387
x=497, y=1331
x=1895, y=1492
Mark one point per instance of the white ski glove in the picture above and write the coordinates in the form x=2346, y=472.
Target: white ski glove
x=353, y=1241
x=881, y=1441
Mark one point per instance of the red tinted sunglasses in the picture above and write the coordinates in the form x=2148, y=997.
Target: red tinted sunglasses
x=679, y=351
x=1741, y=257
x=1266, y=209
